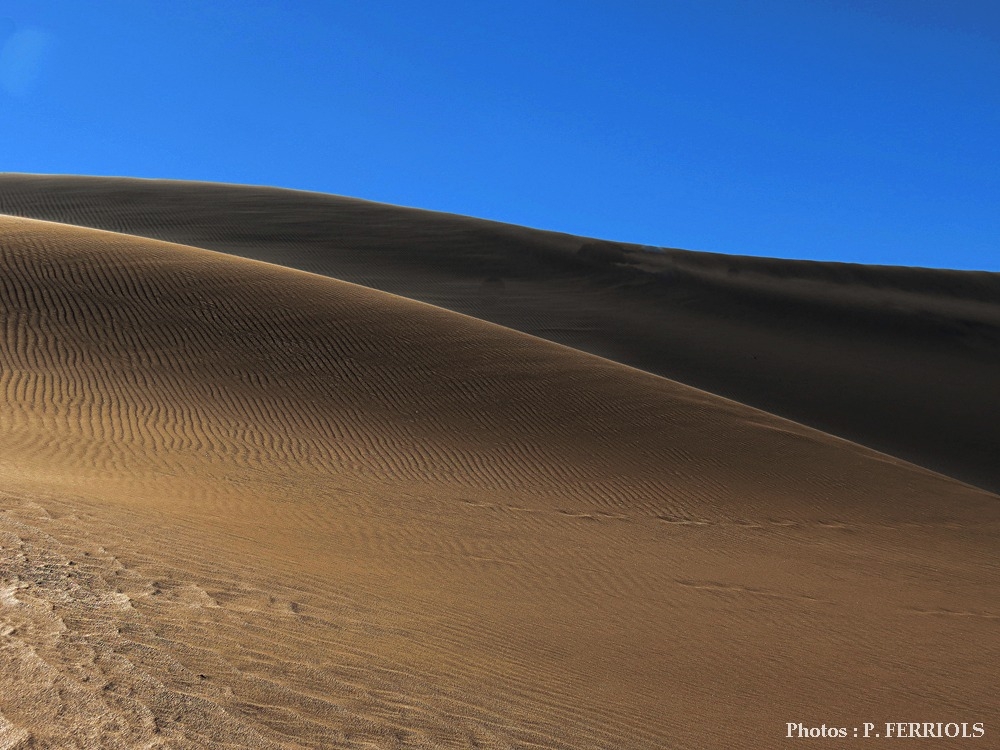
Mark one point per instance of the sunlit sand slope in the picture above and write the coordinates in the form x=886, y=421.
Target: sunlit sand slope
x=902, y=360
x=245, y=506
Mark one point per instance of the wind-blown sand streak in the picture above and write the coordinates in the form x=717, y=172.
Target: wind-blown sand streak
x=902, y=360
x=248, y=506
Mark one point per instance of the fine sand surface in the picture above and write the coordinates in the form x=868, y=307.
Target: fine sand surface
x=905, y=361
x=247, y=506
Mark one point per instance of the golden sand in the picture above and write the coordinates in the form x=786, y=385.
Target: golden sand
x=249, y=506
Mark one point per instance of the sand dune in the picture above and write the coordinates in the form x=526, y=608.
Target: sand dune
x=247, y=506
x=905, y=361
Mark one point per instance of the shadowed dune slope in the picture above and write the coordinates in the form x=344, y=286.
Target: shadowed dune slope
x=902, y=360
x=245, y=506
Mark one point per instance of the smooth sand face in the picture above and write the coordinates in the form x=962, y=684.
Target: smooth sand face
x=904, y=361
x=248, y=506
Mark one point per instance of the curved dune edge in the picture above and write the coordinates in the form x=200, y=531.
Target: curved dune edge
x=249, y=506
x=902, y=360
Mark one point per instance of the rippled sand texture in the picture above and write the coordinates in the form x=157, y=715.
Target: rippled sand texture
x=246, y=506
x=902, y=360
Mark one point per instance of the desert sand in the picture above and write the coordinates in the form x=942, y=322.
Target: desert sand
x=902, y=360
x=246, y=505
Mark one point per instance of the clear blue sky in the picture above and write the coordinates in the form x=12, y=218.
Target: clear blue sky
x=856, y=130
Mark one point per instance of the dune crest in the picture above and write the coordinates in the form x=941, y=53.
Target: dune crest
x=902, y=360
